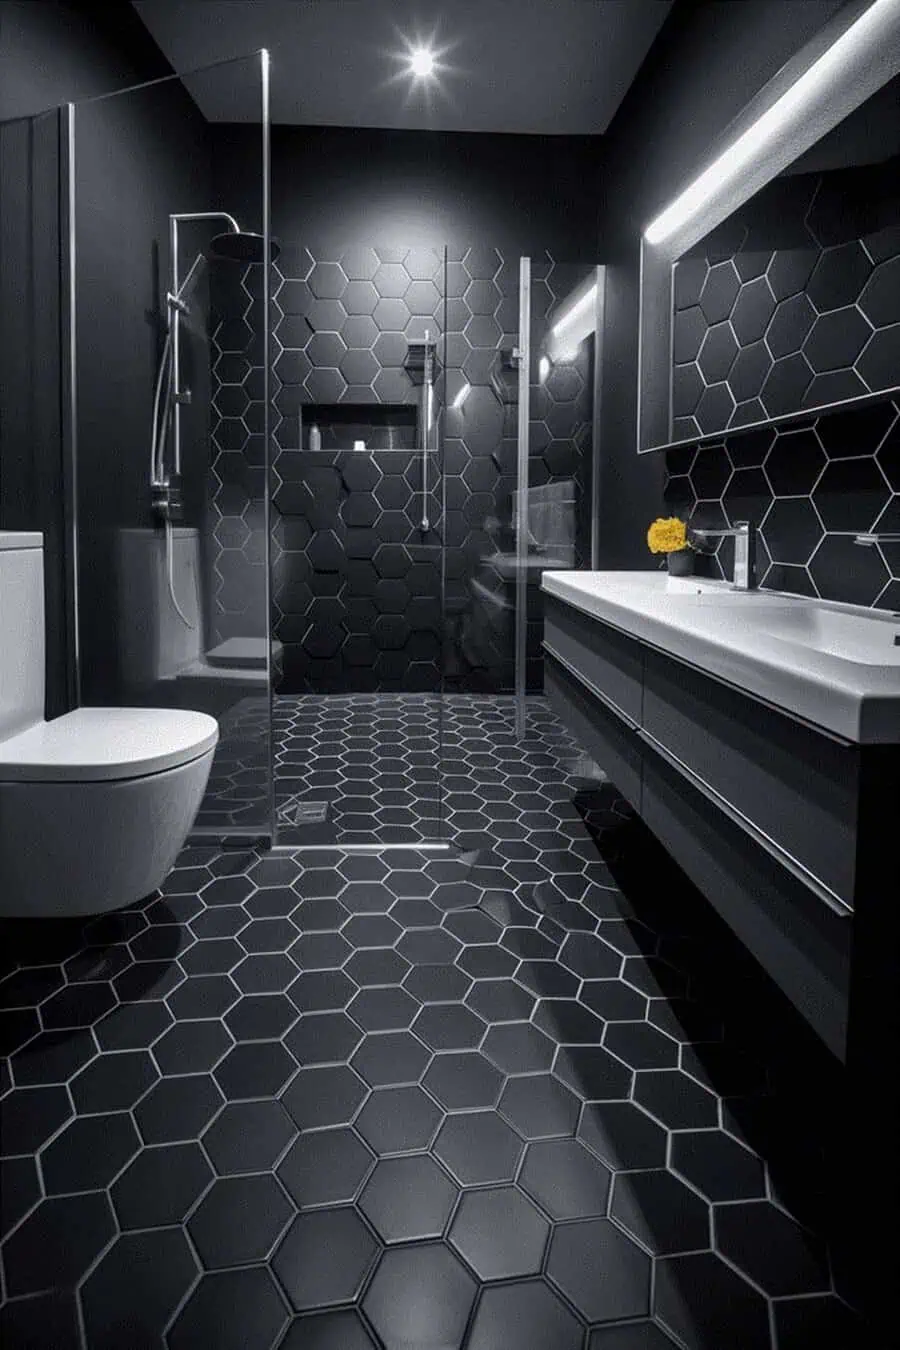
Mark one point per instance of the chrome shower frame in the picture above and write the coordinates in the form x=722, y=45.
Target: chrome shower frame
x=165, y=488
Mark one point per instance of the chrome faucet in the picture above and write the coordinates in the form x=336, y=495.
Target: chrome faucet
x=877, y=539
x=744, y=536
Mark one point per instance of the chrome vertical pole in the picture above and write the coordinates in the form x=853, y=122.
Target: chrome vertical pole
x=70, y=403
x=175, y=321
x=523, y=355
x=267, y=450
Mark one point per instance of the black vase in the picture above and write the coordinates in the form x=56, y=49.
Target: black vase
x=681, y=562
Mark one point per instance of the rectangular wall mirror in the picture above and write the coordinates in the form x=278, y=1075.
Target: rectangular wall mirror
x=780, y=294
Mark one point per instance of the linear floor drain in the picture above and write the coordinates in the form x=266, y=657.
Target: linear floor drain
x=294, y=812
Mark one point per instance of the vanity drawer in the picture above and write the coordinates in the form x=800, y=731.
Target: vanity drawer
x=804, y=946
x=601, y=655
x=610, y=741
x=798, y=787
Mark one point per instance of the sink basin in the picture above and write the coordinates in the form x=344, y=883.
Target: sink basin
x=852, y=637
x=836, y=666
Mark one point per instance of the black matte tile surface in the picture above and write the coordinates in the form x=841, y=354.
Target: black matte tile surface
x=435, y=1109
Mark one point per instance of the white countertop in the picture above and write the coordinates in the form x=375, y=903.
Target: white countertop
x=834, y=665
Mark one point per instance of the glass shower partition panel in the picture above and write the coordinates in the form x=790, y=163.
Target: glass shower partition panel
x=358, y=543
x=558, y=473
x=170, y=410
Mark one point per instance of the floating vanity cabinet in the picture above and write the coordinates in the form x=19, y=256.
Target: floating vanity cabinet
x=770, y=815
x=795, y=788
x=611, y=667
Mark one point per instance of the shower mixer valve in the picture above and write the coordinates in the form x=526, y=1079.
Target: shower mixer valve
x=166, y=498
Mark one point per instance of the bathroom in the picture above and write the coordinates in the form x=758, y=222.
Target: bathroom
x=412, y=989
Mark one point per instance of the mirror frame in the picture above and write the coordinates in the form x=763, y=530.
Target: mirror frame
x=874, y=63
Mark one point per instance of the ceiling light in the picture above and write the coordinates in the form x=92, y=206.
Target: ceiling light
x=421, y=62
x=791, y=106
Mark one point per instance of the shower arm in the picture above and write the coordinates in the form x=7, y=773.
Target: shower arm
x=173, y=300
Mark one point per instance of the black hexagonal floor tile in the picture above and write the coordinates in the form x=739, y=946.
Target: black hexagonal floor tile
x=499, y=1233
x=566, y=1180
x=255, y=1069
x=159, y=1187
x=323, y=1038
x=519, y=1047
x=324, y=1258
x=527, y=1314
x=448, y=1026
x=420, y=1296
x=319, y=1097
x=340, y=1330
x=391, y=1058
x=718, y=1165
x=239, y=1220
x=603, y=1273
x=248, y=1136
x=479, y=1147
x=231, y=1309
x=326, y=1167
x=463, y=1080
x=407, y=1199
x=539, y=1106
x=49, y=1319
x=706, y=1303
x=773, y=1250
x=398, y=1119
x=661, y=1212
x=88, y=1153
x=177, y=1109
x=622, y=1135
x=57, y=1243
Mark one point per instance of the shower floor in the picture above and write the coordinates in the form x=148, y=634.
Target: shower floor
x=382, y=768
x=405, y=768
x=323, y=1099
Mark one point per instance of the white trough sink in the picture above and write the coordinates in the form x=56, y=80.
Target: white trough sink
x=835, y=665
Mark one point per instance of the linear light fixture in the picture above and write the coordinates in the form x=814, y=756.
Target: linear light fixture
x=793, y=104
x=575, y=323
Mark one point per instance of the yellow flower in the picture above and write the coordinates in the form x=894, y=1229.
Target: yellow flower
x=667, y=534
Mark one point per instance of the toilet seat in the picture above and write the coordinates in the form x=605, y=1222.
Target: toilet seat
x=106, y=745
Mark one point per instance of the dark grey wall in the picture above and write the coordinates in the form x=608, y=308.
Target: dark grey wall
x=341, y=186
x=49, y=53
x=707, y=62
x=60, y=51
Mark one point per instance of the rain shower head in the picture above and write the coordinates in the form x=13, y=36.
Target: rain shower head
x=242, y=247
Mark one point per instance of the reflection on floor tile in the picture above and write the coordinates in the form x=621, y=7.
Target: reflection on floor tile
x=407, y=1100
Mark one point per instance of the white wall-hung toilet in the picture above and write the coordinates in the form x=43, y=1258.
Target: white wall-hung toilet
x=94, y=805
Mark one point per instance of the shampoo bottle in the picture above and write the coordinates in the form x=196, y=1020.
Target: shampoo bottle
x=315, y=437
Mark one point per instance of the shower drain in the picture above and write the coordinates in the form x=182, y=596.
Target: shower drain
x=297, y=812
